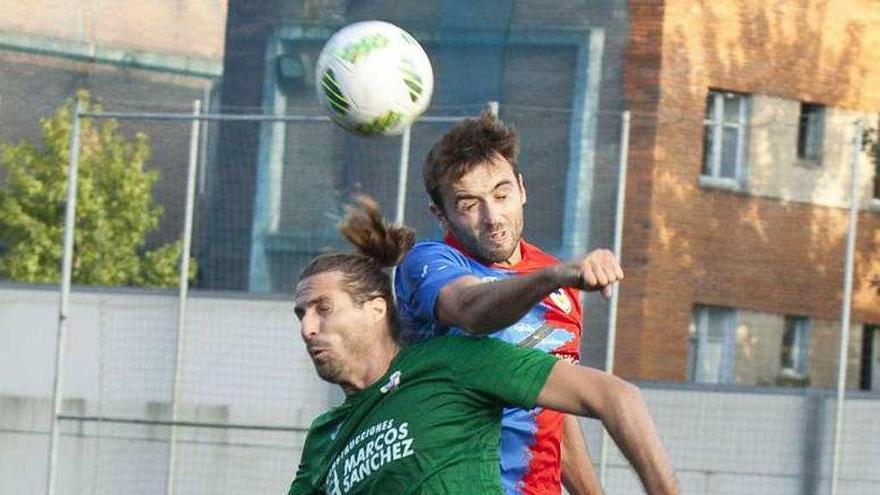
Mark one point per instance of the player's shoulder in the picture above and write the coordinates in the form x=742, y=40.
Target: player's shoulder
x=433, y=247
x=453, y=346
x=326, y=420
x=432, y=250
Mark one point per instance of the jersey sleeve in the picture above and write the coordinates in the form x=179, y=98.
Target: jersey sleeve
x=304, y=480
x=507, y=374
x=302, y=486
x=312, y=470
x=419, y=278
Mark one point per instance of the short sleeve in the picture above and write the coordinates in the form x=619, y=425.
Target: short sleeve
x=418, y=280
x=509, y=375
x=316, y=451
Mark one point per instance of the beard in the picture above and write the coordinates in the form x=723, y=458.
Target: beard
x=484, y=247
x=330, y=370
x=335, y=364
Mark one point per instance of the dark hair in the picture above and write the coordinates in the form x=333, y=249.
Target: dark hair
x=466, y=144
x=380, y=245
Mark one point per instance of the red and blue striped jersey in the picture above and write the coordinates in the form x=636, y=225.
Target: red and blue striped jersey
x=529, y=449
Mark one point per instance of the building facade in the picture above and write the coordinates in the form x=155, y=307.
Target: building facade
x=742, y=118
x=553, y=73
x=130, y=56
x=738, y=193
x=741, y=121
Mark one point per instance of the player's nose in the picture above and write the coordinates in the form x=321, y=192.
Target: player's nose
x=492, y=214
x=309, y=326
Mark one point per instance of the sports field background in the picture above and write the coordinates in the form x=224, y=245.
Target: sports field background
x=734, y=235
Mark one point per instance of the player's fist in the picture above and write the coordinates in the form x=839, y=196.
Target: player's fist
x=597, y=271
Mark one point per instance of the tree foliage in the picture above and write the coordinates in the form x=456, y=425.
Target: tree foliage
x=115, y=209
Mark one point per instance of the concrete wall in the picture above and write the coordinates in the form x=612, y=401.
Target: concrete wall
x=775, y=171
x=244, y=364
x=824, y=345
x=748, y=440
x=758, y=344
x=167, y=26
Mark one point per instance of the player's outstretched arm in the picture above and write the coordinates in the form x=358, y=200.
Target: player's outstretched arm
x=484, y=307
x=622, y=410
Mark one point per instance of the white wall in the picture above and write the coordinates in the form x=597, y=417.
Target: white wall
x=757, y=441
x=245, y=364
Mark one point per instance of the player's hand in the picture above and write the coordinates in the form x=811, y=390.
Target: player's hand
x=598, y=271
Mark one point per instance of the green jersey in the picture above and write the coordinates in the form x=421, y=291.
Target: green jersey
x=431, y=424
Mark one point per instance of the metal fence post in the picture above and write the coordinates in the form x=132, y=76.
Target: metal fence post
x=64, y=305
x=183, y=288
x=618, y=252
x=847, y=301
x=402, y=176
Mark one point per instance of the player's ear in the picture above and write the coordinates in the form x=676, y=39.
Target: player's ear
x=440, y=215
x=377, y=308
x=522, y=188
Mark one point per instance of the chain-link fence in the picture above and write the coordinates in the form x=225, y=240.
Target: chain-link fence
x=209, y=391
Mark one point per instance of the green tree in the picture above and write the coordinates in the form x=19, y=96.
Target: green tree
x=115, y=209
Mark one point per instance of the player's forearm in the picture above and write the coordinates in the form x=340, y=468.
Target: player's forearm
x=593, y=393
x=578, y=475
x=629, y=424
x=483, y=308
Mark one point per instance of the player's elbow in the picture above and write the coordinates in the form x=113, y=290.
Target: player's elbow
x=476, y=327
x=621, y=396
x=630, y=396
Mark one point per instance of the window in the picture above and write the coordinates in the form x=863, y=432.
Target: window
x=874, y=156
x=724, y=137
x=795, y=347
x=811, y=126
x=712, y=346
x=869, y=376
x=877, y=175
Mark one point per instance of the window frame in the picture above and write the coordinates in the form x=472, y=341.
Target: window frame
x=874, y=156
x=801, y=326
x=699, y=339
x=716, y=124
x=869, y=376
x=811, y=132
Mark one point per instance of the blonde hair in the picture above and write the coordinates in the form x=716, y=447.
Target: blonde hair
x=380, y=245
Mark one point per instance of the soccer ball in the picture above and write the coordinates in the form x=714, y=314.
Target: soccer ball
x=374, y=78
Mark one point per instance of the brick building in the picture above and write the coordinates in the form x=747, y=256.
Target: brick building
x=735, y=254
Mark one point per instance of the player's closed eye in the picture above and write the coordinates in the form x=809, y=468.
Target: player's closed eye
x=466, y=205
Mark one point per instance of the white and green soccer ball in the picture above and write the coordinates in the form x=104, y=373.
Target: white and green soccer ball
x=374, y=78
